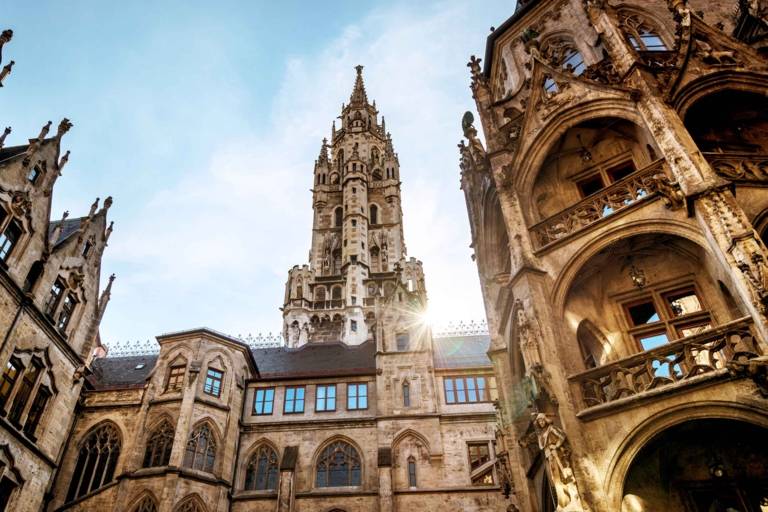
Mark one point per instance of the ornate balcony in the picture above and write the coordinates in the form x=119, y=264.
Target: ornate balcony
x=697, y=357
x=633, y=189
x=746, y=167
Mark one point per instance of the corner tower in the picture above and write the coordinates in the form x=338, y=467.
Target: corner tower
x=358, y=250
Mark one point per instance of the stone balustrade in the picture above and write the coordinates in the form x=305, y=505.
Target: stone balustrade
x=620, y=195
x=748, y=167
x=673, y=363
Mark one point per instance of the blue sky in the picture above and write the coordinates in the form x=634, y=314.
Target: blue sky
x=203, y=120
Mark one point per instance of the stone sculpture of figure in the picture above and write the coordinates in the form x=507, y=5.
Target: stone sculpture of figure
x=527, y=336
x=554, y=444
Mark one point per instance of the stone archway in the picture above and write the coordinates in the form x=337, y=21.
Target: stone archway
x=701, y=465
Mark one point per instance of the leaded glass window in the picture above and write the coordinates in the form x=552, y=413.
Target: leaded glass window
x=96, y=461
x=262, y=471
x=339, y=465
x=200, y=453
x=159, y=445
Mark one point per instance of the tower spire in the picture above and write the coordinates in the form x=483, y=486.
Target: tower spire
x=359, y=97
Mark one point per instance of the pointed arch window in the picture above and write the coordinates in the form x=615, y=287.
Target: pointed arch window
x=147, y=504
x=339, y=465
x=190, y=505
x=642, y=35
x=9, y=238
x=262, y=471
x=159, y=445
x=96, y=461
x=562, y=53
x=200, y=453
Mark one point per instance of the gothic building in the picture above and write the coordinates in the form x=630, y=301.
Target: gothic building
x=619, y=214
x=50, y=310
x=363, y=409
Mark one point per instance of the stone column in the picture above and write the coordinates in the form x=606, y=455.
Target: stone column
x=286, y=491
x=386, y=502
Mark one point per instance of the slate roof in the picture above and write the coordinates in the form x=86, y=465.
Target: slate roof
x=462, y=351
x=316, y=360
x=121, y=372
x=68, y=228
x=12, y=151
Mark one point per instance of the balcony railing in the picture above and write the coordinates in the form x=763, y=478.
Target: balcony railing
x=618, y=196
x=328, y=304
x=739, y=166
x=676, y=362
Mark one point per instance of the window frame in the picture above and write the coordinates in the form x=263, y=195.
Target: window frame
x=603, y=171
x=481, y=468
x=170, y=376
x=412, y=473
x=66, y=311
x=20, y=368
x=489, y=389
x=357, y=386
x=7, y=250
x=209, y=390
x=669, y=324
x=400, y=336
x=264, y=392
x=294, y=400
x=325, y=397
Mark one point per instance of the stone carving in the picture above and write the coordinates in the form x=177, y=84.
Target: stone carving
x=6, y=132
x=554, y=444
x=6, y=71
x=755, y=369
x=529, y=339
x=618, y=196
x=602, y=72
x=478, y=80
x=668, y=364
x=63, y=161
x=64, y=126
x=715, y=57
x=739, y=167
x=20, y=204
x=5, y=36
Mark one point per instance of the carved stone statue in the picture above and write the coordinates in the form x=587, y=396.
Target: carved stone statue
x=554, y=444
x=756, y=369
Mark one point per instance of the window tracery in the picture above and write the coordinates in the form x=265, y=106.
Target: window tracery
x=200, y=453
x=338, y=465
x=147, y=504
x=96, y=461
x=562, y=53
x=641, y=34
x=159, y=445
x=262, y=470
x=26, y=387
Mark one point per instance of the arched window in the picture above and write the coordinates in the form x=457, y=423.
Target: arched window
x=190, y=504
x=261, y=472
x=406, y=394
x=96, y=461
x=562, y=53
x=374, y=214
x=411, y=471
x=592, y=344
x=641, y=35
x=147, y=504
x=339, y=465
x=201, y=449
x=338, y=216
x=159, y=444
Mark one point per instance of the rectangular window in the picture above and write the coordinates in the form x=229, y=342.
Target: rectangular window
x=213, y=382
x=357, y=396
x=469, y=389
x=406, y=395
x=9, y=238
x=403, y=342
x=353, y=323
x=411, y=472
x=175, y=378
x=589, y=186
x=34, y=173
x=53, y=298
x=10, y=375
x=621, y=171
x=36, y=411
x=294, y=400
x=479, y=454
x=643, y=313
x=67, y=309
x=263, y=401
x=325, y=397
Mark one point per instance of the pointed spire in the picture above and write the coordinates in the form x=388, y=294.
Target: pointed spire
x=63, y=161
x=6, y=132
x=359, y=97
x=323, y=158
x=389, y=149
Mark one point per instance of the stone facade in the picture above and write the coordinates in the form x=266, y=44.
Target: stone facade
x=364, y=409
x=618, y=212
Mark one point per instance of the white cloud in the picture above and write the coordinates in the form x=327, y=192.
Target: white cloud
x=215, y=247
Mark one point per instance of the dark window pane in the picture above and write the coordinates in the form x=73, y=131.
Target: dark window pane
x=589, y=186
x=644, y=313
